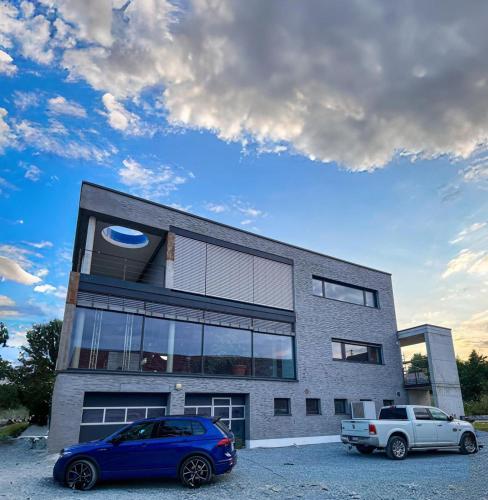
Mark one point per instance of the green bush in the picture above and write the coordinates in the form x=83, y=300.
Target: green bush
x=479, y=407
x=12, y=430
x=9, y=397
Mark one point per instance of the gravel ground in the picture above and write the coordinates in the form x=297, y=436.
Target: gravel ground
x=315, y=471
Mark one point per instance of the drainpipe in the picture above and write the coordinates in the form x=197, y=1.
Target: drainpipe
x=90, y=237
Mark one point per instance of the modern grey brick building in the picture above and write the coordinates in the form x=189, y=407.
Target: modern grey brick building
x=168, y=312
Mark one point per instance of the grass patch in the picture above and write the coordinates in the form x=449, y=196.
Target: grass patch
x=12, y=430
x=481, y=426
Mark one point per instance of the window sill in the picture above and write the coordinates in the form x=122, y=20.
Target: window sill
x=358, y=362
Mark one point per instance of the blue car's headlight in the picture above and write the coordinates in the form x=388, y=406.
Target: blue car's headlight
x=64, y=453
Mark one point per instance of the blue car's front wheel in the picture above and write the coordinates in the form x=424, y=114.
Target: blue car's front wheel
x=81, y=475
x=195, y=471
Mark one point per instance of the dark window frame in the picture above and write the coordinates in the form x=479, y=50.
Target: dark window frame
x=288, y=403
x=388, y=402
x=344, y=342
x=318, y=408
x=343, y=402
x=347, y=285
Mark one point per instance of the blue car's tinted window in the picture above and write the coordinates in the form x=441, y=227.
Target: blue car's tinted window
x=174, y=428
x=144, y=430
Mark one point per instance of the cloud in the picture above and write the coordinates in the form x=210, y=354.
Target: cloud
x=46, y=288
x=6, y=187
x=216, y=208
x=467, y=231
x=469, y=261
x=42, y=273
x=40, y=244
x=120, y=118
x=52, y=139
x=246, y=222
x=6, y=65
x=355, y=85
x=149, y=182
x=6, y=301
x=6, y=137
x=11, y=270
x=473, y=332
x=476, y=172
x=33, y=173
x=62, y=106
x=25, y=100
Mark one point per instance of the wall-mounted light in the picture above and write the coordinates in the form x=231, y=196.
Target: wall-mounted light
x=178, y=387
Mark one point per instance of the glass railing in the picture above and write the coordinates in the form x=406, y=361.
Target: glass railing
x=416, y=377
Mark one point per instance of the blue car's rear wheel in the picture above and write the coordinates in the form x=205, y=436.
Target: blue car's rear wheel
x=195, y=471
x=81, y=475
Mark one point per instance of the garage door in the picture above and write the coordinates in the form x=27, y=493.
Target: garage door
x=106, y=412
x=231, y=408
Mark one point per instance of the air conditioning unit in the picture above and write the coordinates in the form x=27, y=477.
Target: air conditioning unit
x=363, y=409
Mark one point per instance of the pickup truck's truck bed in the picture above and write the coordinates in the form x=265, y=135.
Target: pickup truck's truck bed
x=402, y=428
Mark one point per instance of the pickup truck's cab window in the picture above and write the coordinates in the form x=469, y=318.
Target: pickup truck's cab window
x=438, y=414
x=393, y=413
x=422, y=414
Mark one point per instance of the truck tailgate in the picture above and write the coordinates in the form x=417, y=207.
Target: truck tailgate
x=355, y=428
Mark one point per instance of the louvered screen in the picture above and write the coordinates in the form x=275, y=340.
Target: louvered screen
x=273, y=284
x=189, y=265
x=229, y=274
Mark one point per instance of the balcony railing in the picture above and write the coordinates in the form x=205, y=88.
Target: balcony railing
x=113, y=266
x=416, y=378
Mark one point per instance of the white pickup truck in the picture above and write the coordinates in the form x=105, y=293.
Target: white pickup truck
x=409, y=427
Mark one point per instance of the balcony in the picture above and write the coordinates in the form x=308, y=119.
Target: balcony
x=149, y=271
x=418, y=378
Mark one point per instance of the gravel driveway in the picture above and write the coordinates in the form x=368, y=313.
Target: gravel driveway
x=315, y=471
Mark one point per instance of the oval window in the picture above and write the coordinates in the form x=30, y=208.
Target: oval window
x=125, y=237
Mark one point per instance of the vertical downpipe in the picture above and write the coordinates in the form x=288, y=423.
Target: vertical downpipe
x=90, y=238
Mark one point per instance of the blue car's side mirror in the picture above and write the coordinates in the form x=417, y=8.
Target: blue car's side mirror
x=117, y=439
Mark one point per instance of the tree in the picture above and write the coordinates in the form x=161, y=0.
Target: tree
x=34, y=377
x=419, y=362
x=473, y=376
x=3, y=335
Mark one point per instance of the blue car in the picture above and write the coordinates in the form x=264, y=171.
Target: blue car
x=190, y=448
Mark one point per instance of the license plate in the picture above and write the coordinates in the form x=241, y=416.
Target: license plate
x=353, y=438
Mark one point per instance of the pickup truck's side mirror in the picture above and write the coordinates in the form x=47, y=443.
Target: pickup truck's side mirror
x=450, y=418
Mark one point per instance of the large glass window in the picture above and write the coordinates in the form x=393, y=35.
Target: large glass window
x=344, y=292
x=273, y=356
x=227, y=351
x=356, y=352
x=172, y=346
x=105, y=340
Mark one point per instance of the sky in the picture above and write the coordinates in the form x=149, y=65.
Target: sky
x=356, y=129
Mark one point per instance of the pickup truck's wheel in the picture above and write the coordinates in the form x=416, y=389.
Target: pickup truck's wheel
x=468, y=444
x=364, y=449
x=396, y=449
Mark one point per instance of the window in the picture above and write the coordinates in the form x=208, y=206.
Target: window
x=318, y=287
x=356, y=352
x=388, y=402
x=273, y=356
x=422, y=414
x=438, y=414
x=340, y=406
x=313, y=406
x=282, y=406
x=92, y=416
x=119, y=415
x=227, y=351
x=105, y=340
x=344, y=293
x=393, y=413
x=144, y=430
x=172, y=346
x=174, y=428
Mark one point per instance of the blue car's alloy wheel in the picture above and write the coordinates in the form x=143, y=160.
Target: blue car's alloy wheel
x=196, y=471
x=81, y=475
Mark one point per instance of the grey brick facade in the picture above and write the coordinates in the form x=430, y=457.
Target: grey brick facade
x=317, y=321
